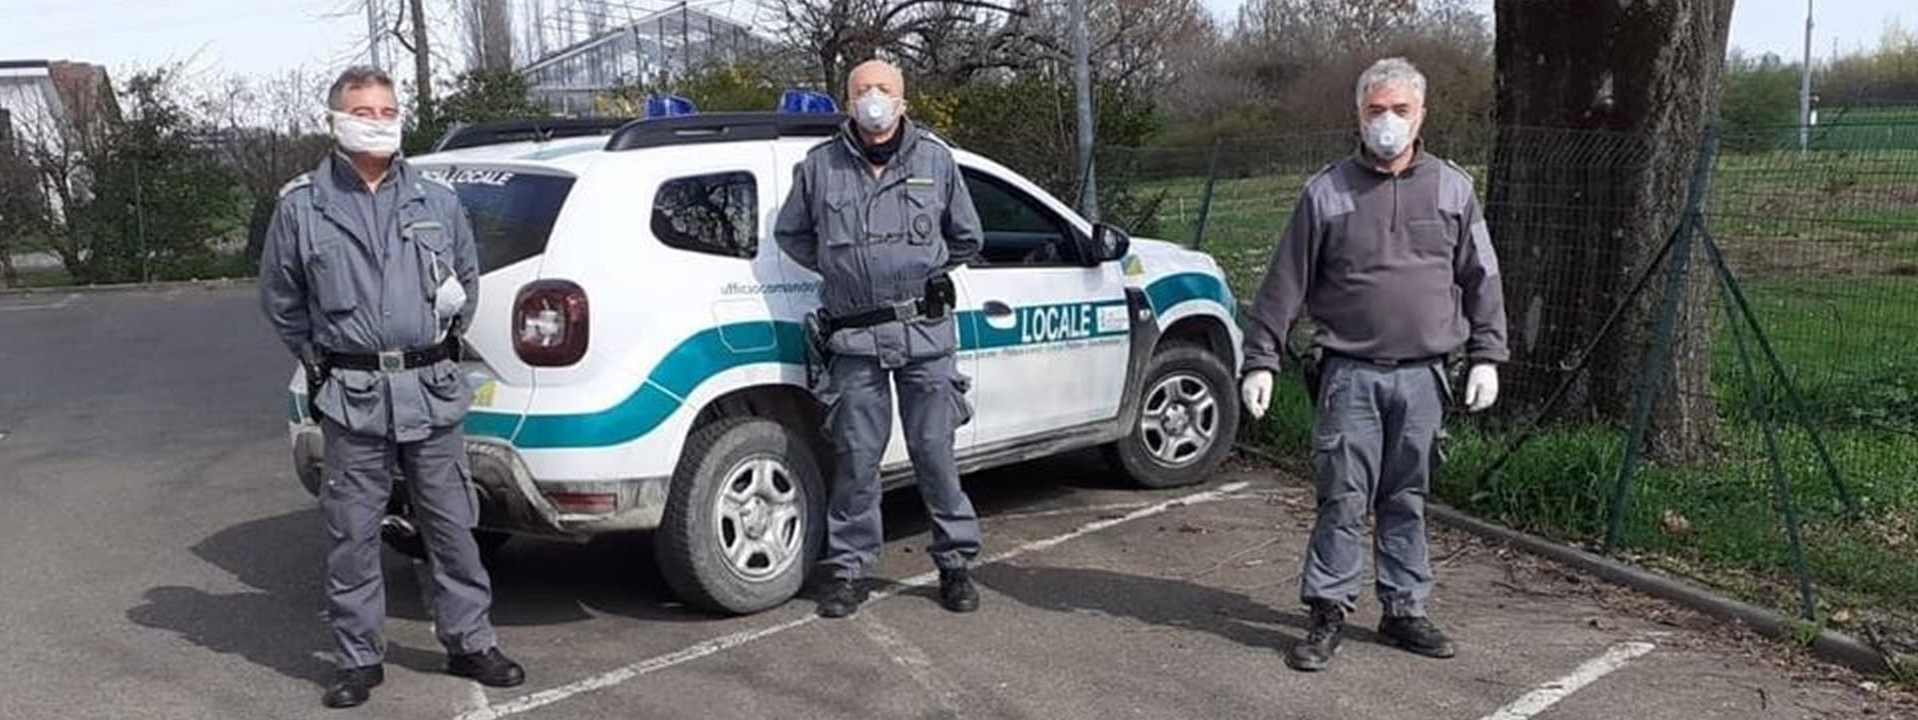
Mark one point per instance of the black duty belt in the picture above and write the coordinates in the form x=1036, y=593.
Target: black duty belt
x=1387, y=362
x=939, y=298
x=392, y=360
x=903, y=311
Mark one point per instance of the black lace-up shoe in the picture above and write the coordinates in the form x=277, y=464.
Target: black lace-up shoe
x=1321, y=640
x=491, y=668
x=956, y=591
x=352, y=686
x=1417, y=635
x=840, y=598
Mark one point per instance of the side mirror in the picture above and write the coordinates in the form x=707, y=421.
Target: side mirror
x=1108, y=243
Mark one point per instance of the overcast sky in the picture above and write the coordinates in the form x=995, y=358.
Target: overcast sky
x=268, y=36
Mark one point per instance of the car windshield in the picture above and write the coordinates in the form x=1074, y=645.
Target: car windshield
x=512, y=211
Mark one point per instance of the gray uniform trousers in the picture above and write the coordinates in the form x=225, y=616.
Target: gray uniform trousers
x=353, y=502
x=1375, y=447
x=932, y=405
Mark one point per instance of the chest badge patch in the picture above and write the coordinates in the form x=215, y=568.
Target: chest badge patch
x=922, y=224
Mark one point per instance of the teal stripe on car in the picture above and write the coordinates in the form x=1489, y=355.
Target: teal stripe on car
x=1172, y=290
x=699, y=358
x=716, y=350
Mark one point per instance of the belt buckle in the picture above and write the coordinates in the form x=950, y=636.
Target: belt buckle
x=906, y=310
x=1387, y=362
x=392, y=361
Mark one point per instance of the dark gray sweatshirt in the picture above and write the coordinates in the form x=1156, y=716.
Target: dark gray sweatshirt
x=1391, y=267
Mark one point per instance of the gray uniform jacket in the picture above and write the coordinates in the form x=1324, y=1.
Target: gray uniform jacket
x=356, y=272
x=876, y=240
x=1390, y=267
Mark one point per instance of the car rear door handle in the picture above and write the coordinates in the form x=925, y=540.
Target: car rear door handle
x=995, y=308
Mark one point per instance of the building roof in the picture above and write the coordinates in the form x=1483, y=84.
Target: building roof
x=748, y=15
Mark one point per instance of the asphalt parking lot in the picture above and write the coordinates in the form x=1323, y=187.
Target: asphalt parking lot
x=160, y=561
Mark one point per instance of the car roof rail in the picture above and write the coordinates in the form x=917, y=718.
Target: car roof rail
x=469, y=135
x=722, y=127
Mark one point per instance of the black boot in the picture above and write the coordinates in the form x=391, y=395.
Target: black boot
x=352, y=686
x=956, y=591
x=840, y=598
x=491, y=668
x=1417, y=635
x=1321, y=640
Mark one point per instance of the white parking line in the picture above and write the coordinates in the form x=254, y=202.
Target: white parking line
x=55, y=305
x=722, y=643
x=914, y=661
x=1547, y=695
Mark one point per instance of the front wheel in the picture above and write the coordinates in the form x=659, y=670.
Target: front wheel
x=745, y=518
x=1188, y=420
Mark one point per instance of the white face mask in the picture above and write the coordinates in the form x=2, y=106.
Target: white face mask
x=379, y=138
x=1388, y=135
x=875, y=111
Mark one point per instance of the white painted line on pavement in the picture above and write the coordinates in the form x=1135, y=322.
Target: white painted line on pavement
x=479, y=700
x=55, y=305
x=1547, y=695
x=914, y=661
x=1084, y=510
x=723, y=643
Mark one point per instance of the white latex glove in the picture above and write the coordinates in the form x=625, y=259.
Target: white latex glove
x=1256, y=391
x=1481, y=387
x=447, y=302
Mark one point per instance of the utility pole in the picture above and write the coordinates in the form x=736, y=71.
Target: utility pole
x=422, y=59
x=1082, y=85
x=375, y=31
x=1804, y=88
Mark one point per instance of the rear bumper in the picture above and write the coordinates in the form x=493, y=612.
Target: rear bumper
x=511, y=500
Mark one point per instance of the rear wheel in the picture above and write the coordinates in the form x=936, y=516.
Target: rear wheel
x=1188, y=420
x=745, y=518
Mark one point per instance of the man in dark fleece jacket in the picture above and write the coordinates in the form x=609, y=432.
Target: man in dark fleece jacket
x=1388, y=252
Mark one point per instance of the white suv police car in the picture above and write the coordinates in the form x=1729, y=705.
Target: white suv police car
x=638, y=359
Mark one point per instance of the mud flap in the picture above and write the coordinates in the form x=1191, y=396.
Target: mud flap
x=1143, y=332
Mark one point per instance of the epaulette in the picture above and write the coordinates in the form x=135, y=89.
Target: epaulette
x=927, y=134
x=828, y=142
x=303, y=180
x=1322, y=172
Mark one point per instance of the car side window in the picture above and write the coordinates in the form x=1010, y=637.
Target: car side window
x=1019, y=230
x=716, y=214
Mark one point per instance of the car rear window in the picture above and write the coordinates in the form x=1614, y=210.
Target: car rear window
x=512, y=211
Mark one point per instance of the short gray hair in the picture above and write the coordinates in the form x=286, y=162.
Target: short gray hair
x=1391, y=71
x=357, y=76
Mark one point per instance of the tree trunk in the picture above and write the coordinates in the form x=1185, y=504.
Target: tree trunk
x=1578, y=210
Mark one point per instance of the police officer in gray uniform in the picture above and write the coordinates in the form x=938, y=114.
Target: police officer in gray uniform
x=1388, y=252
x=368, y=274
x=881, y=213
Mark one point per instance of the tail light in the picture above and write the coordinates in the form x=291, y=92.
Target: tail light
x=550, y=323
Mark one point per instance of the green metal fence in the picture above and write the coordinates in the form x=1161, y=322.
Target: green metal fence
x=1788, y=297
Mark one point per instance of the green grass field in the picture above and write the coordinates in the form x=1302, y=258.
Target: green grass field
x=1843, y=316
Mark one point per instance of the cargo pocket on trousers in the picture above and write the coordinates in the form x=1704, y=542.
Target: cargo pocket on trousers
x=470, y=489
x=961, y=407
x=1328, y=464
